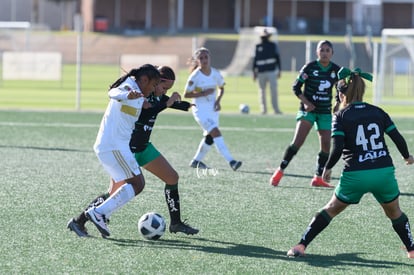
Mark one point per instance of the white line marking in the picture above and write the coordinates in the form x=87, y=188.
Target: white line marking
x=160, y=127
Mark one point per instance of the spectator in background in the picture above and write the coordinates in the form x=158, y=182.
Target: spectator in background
x=267, y=69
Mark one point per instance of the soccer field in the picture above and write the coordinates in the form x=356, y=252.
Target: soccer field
x=50, y=173
x=63, y=95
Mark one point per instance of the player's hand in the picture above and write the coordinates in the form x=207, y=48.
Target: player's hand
x=134, y=94
x=146, y=104
x=309, y=107
x=175, y=96
x=217, y=106
x=207, y=92
x=326, y=175
x=409, y=160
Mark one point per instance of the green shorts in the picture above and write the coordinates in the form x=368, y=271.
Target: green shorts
x=321, y=121
x=380, y=182
x=149, y=154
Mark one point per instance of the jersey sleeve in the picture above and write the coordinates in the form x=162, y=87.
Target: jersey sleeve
x=120, y=93
x=182, y=105
x=300, y=80
x=338, y=138
x=396, y=137
x=337, y=125
x=190, y=85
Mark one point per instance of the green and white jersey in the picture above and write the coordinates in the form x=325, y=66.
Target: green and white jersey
x=319, y=82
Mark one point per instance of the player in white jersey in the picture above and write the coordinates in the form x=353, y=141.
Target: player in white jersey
x=126, y=97
x=205, y=86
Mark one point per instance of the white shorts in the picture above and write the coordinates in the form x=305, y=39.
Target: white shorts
x=207, y=120
x=120, y=165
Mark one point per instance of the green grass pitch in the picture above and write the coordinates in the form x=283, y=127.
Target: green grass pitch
x=50, y=173
x=62, y=95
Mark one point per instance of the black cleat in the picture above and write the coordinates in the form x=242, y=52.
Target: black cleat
x=183, y=228
x=235, y=164
x=80, y=230
x=198, y=164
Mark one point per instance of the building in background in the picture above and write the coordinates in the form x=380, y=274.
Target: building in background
x=172, y=16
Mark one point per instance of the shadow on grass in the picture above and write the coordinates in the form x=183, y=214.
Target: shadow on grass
x=284, y=175
x=44, y=148
x=340, y=261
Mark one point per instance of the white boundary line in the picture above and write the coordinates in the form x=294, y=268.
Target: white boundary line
x=161, y=127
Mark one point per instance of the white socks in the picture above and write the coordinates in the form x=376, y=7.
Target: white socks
x=121, y=196
x=222, y=148
x=202, y=150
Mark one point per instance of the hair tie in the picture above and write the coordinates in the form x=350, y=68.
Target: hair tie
x=346, y=73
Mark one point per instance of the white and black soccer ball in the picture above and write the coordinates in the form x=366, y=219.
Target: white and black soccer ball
x=151, y=226
x=244, y=108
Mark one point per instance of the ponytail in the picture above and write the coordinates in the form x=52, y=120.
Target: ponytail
x=148, y=70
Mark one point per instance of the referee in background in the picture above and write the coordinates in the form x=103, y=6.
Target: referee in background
x=267, y=68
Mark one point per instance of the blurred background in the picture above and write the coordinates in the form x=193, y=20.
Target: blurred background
x=40, y=37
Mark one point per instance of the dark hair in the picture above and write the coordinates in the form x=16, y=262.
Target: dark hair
x=324, y=42
x=166, y=73
x=148, y=70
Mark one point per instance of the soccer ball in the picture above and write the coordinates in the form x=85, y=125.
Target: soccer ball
x=151, y=226
x=244, y=108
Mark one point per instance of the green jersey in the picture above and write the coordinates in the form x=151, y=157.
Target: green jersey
x=318, y=82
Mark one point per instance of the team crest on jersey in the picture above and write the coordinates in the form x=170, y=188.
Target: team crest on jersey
x=127, y=88
x=190, y=83
x=304, y=76
x=315, y=73
x=333, y=74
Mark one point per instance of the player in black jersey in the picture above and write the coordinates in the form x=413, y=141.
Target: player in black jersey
x=358, y=135
x=318, y=78
x=149, y=157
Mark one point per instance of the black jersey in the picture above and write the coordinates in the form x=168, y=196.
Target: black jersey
x=363, y=126
x=318, y=81
x=143, y=126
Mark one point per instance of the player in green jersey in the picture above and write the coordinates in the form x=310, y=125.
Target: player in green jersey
x=318, y=78
x=358, y=134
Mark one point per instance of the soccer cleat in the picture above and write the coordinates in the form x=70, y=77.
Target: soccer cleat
x=80, y=230
x=276, y=177
x=98, y=220
x=319, y=182
x=198, y=164
x=410, y=254
x=235, y=164
x=183, y=228
x=296, y=251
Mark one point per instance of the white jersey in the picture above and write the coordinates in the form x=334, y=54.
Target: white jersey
x=119, y=119
x=198, y=81
x=203, y=111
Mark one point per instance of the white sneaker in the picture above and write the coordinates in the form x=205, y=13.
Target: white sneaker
x=98, y=220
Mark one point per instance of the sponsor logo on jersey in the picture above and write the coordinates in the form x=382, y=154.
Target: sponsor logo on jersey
x=129, y=110
x=372, y=155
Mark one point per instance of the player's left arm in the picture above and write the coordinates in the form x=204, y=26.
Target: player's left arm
x=217, y=105
x=175, y=102
x=338, y=142
x=401, y=144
